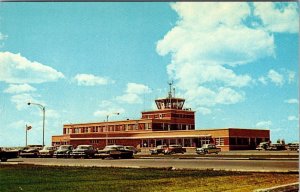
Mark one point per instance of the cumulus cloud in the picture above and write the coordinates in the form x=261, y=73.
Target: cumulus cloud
x=278, y=17
x=292, y=101
x=204, y=110
x=293, y=118
x=19, y=88
x=21, y=100
x=209, y=41
x=91, y=80
x=263, y=80
x=108, y=108
x=15, y=68
x=276, y=77
x=264, y=124
x=133, y=93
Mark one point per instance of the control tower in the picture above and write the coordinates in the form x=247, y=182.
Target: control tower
x=170, y=112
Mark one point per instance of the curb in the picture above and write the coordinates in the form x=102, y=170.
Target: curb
x=292, y=187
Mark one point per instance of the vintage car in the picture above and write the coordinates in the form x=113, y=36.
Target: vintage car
x=293, y=147
x=133, y=149
x=208, y=149
x=83, y=151
x=115, y=152
x=47, y=151
x=63, y=151
x=158, y=150
x=172, y=149
x=8, y=154
x=30, y=151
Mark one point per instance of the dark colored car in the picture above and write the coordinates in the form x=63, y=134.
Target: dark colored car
x=172, y=149
x=63, y=151
x=115, y=152
x=30, y=152
x=8, y=154
x=158, y=150
x=83, y=151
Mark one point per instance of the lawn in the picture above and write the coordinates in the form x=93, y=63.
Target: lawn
x=46, y=178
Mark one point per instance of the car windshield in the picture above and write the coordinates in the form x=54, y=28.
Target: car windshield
x=48, y=148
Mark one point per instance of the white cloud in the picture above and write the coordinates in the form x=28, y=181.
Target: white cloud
x=15, y=68
x=209, y=41
x=275, y=77
x=108, y=108
x=133, y=93
x=2, y=36
x=263, y=80
x=136, y=88
x=264, y=124
x=21, y=100
x=204, y=110
x=293, y=118
x=19, y=88
x=91, y=80
x=278, y=17
x=229, y=96
x=291, y=76
x=292, y=101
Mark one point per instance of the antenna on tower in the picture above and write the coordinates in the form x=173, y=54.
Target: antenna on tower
x=170, y=92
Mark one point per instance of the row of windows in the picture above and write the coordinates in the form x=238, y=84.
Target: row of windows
x=162, y=116
x=110, y=128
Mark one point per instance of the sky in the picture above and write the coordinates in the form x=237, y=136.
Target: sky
x=236, y=64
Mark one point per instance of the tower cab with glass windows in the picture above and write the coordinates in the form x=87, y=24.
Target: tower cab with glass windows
x=170, y=114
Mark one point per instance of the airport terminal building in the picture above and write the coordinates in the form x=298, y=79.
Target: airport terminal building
x=170, y=124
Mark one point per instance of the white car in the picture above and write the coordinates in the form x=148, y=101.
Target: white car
x=47, y=151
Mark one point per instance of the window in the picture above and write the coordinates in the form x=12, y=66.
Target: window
x=94, y=141
x=219, y=141
x=111, y=141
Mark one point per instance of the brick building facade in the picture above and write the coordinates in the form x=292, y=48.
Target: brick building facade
x=169, y=124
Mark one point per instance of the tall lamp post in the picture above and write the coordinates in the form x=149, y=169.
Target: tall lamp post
x=107, y=124
x=43, y=110
x=27, y=128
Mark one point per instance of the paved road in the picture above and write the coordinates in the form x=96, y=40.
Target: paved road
x=217, y=164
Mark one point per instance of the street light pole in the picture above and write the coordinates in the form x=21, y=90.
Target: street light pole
x=27, y=128
x=106, y=140
x=43, y=110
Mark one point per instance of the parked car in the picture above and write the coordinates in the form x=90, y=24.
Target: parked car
x=115, y=152
x=31, y=151
x=83, y=151
x=270, y=147
x=133, y=149
x=293, y=147
x=8, y=154
x=63, y=151
x=158, y=150
x=172, y=149
x=208, y=149
x=47, y=151
x=263, y=146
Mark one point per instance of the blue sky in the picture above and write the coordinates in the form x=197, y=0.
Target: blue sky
x=236, y=64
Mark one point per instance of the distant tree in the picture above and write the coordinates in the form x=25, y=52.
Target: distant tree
x=278, y=141
x=282, y=141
